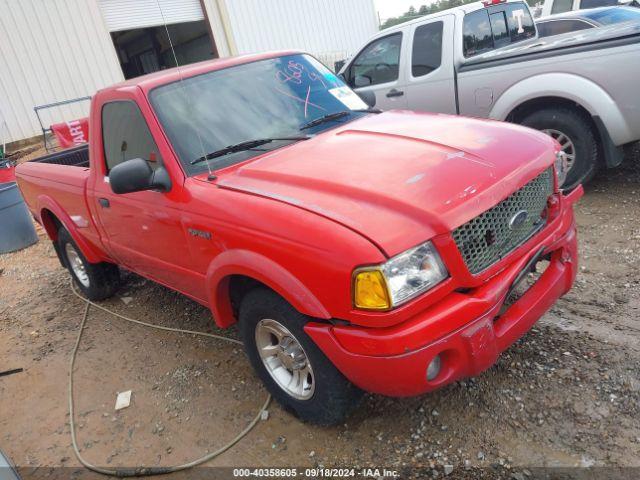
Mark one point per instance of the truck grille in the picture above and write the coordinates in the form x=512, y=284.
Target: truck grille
x=493, y=234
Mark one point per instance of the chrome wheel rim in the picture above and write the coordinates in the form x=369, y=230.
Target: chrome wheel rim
x=566, y=145
x=77, y=265
x=285, y=359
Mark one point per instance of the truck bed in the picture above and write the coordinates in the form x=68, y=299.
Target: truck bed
x=75, y=157
x=57, y=182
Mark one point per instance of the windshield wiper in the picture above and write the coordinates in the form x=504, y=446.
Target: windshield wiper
x=326, y=118
x=336, y=115
x=243, y=146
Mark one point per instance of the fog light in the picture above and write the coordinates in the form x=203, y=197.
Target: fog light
x=434, y=368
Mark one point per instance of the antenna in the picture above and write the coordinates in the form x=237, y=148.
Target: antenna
x=186, y=93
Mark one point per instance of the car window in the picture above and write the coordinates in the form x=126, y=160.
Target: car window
x=500, y=30
x=426, y=55
x=378, y=63
x=495, y=27
x=519, y=21
x=561, y=6
x=557, y=27
x=126, y=136
x=584, y=4
x=614, y=15
x=269, y=98
x=476, y=33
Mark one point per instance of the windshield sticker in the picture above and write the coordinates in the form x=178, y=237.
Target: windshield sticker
x=348, y=98
x=518, y=15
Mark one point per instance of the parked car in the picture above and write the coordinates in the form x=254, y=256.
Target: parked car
x=552, y=7
x=485, y=60
x=585, y=19
x=356, y=250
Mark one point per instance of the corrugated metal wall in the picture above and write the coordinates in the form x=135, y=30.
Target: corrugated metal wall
x=51, y=50
x=55, y=50
x=329, y=29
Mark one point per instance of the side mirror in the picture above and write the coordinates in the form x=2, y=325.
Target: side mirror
x=136, y=175
x=368, y=97
x=361, y=81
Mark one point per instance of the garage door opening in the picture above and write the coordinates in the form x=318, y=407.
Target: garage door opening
x=146, y=50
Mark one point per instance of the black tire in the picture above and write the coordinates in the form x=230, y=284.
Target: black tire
x=102, y=279
x=576, y=126
x=333, y=396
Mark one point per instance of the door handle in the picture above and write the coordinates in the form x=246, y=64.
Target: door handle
x=394, y=93
x=104, y=203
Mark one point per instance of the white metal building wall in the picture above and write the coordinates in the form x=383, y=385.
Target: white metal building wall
x=51, y=50
x=329, y=29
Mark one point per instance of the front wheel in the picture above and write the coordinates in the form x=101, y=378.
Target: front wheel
x=96, y=280
x=576, y=137
x=294, y=370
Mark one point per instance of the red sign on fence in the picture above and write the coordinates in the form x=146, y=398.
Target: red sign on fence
x=73, y=133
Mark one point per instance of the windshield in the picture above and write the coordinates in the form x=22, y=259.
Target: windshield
x=614, y=15
x=271, y=98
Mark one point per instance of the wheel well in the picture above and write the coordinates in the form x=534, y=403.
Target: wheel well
x=51, y=223
x=239, y=286
x=523, y=110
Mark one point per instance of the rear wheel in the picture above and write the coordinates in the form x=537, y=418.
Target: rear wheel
x=294, y=370
x=97, y=281
x=576, y=137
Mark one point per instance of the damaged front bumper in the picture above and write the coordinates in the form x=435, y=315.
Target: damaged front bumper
x=394, y=360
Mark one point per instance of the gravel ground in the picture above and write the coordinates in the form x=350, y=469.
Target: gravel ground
x=567, y=395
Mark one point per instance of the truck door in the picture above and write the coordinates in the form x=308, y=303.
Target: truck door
x=430, y=82
x=379, y=68
x=142, y=230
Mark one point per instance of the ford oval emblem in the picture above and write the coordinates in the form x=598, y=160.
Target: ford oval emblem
x=518, y=219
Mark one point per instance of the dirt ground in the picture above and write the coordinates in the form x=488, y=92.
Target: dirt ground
x=566, y=395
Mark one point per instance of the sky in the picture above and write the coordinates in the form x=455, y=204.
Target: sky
x=394, y=8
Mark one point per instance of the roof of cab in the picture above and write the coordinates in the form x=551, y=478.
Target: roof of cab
x=170, y=75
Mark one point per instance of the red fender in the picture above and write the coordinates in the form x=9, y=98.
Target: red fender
x=47, y=203
x=262, y=269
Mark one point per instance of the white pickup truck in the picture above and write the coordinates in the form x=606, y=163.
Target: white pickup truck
x=485, y=60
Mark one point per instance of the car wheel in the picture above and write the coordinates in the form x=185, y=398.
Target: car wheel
x=575, y=135
x=294, y=370
x=97, y=281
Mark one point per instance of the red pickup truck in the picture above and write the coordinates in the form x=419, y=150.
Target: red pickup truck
x=355, y=250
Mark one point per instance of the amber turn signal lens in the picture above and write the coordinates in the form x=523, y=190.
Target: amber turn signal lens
x=370, y=290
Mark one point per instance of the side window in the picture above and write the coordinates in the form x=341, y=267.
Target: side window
x=561, y=6
x=426, y=55
x=476, y=33
x=557, y=27
x=499, y=28
x=378, y=63
x=520, y=23
x=585, y=4
x=126, y=136
x=486, y=29
x=545, y=29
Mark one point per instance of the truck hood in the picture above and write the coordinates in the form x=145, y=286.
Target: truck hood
x=399, y=178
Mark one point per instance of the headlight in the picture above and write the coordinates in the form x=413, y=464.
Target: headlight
x=561, y=167
x=399, y=279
